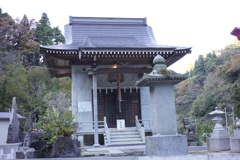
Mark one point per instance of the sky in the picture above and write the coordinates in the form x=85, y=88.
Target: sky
x=204, y=25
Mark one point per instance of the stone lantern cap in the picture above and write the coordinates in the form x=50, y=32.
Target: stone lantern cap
x=160, y=73
x=216, y=112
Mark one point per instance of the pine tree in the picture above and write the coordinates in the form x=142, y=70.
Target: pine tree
x=45, y=35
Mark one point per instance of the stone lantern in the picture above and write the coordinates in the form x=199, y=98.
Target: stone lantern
x=219, y=140
x=165, y=139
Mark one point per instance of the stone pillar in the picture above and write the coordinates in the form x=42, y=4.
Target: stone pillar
x=165, y=139
x=163, y=108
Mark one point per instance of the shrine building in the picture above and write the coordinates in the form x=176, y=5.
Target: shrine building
x=104, y=58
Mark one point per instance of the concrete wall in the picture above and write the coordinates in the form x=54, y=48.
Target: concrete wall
x=4, y=123
x=82, y=96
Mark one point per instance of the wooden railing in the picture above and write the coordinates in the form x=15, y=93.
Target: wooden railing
x=107, y=130
x=140, y=128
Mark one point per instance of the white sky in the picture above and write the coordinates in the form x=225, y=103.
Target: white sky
x=204, y=25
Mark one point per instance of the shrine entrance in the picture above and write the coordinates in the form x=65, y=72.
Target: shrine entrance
x=108, y=106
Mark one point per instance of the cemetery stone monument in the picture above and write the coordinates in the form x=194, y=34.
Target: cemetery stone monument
x=219, y=139
x=8, y=150
x=13, y=129
x=165, y=139
x=235, y=140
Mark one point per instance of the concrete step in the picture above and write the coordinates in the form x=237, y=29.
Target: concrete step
x=124, y=133
x=124, y=143
x=125, y=139
x=126, y=136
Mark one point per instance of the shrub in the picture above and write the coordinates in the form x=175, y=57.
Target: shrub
x=55, y=124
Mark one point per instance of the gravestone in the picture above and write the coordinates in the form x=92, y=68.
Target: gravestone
x=13, y=129
x=165, y=139
x=8, y=150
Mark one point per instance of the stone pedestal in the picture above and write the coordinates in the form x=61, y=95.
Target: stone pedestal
x=235, y=144
x=166, y=145
x=235, y=141
x=218, y=144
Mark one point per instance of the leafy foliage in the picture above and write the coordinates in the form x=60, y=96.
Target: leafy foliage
x=55, y=124
x=45, y=35
x=13, y=84
x=213, y=82
x=19, y=52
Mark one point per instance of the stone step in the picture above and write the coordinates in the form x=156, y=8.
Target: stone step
x=126, y=136
x=124, y=143
x=123, y=130
x=124, y=133
x=125, y=139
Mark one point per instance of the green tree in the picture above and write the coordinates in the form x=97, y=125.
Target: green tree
x=235, y=97
x=27, y=47
x=199, y=70
x=45, y=35
x=210, y=62
x=39, y=83
x=13, y=84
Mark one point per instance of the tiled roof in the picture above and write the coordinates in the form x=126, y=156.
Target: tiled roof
x=92, y=32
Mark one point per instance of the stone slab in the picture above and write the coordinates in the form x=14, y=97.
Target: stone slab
x=235, y=144
x=7, y=151
x=166, y=145
x=9, y=146
x=218, y=144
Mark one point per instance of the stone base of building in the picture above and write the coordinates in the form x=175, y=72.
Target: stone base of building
x=235, y=144
x=218, y=144
x=166, y=145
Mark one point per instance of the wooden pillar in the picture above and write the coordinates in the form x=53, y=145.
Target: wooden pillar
x=95, y=110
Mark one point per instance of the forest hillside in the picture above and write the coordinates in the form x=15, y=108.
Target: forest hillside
x=213, y=82
x=22, y=71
